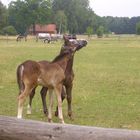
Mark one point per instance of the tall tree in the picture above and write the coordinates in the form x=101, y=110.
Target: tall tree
x=100, y=31
x=61, y=21
x=24, y=13
x=3, y=16
x=121, y=25
x=89, y=31
x=77, y=12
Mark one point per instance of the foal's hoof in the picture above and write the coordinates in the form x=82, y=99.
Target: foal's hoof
x=29, y=110
x=45, y=112
x=62, y=122
x=50, y=120
x=19, y=117
x=70, y=116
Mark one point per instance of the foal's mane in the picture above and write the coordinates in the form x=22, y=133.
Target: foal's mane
x=60, y=56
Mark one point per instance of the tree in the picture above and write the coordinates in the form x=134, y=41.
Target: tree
x=24, y=13
x=138, y=28
x=89, y=31
x=67, y=7
x=78, y=14
x=121, y=25
x=100, y=31
x=3, y=16
x=10, y=30
x=61, y=21
x=17, y=15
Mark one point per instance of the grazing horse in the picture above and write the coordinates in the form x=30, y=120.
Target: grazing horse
x=30, y=74
x=20, y=36
x=68, y=84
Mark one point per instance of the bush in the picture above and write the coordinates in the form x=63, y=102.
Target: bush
x=10, y=30
x=100, y=31
x=89, y=31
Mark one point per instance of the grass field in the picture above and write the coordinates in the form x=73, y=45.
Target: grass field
x=106, y=90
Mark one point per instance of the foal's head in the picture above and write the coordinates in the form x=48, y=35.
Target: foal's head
x=73, y=44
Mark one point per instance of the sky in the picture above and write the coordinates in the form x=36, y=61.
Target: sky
x=119, y=8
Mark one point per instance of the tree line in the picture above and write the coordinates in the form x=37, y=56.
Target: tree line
x=72, y=16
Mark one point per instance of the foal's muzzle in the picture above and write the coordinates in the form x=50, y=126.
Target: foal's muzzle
x=82, y=43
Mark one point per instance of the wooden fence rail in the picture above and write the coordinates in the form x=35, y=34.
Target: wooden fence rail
x=19, y=129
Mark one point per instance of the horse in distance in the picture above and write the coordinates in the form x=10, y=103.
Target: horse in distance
x=22, y=36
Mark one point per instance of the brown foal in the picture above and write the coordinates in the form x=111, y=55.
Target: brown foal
x=30, y=74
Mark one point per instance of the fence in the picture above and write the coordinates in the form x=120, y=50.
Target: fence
x=19, y=129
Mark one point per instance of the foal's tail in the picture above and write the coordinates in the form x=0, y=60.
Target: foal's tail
x=20, y=82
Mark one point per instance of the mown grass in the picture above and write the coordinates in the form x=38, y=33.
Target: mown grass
x=106, y=90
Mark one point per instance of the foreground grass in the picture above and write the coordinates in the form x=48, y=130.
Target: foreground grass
x=106, y=90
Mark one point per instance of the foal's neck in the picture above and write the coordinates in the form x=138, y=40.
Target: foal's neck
x=70, y=65
x=63, y=63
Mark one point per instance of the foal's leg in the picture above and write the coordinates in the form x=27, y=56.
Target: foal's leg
x=69, y=99
x=43, y=94
x=50, y=105
x=58, y=90
x=29, y=107
x=21, y=100
x=63, y=96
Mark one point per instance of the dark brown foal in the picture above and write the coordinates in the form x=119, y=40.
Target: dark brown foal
x=30, y=74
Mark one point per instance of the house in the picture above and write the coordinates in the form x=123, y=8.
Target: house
x=38, y=28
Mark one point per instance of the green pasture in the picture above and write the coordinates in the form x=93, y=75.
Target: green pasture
x=106, y=91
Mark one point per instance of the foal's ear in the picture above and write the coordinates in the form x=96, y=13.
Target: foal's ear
x=66, y=39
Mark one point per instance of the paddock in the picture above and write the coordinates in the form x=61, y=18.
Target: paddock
x=106, y=85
